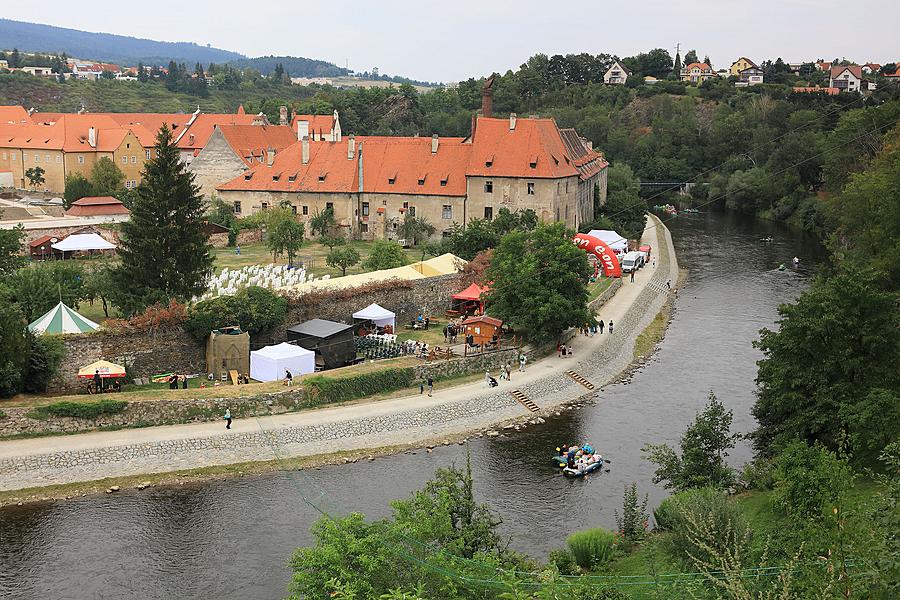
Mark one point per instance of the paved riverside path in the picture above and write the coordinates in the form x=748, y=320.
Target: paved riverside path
x=411, y=419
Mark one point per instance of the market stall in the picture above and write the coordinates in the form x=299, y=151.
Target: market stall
x=271, y=362
x=61, y=319
x=378, y=316
x=470, y=301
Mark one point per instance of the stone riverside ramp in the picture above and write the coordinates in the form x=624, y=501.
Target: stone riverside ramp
x=414, y=419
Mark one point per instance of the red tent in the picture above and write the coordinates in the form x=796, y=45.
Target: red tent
x=472, y=294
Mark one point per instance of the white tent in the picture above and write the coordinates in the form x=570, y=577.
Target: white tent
x=611, y=239
x=378, y=315
x=81, y=242
x=269, y=363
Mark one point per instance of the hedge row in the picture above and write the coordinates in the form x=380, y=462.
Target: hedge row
x=326, y=389
x=79, y=410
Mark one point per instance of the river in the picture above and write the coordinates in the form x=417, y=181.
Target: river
x=232, y=539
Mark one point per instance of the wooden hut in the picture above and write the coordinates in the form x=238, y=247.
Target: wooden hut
x=482, y=330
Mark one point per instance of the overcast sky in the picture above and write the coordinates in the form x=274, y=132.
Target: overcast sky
x=457, y=39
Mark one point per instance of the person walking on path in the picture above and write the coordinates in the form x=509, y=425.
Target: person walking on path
x=600, y=326
x=522, y=359
x=421, y=387
x=654, y=262
x=430, y=385
x=184, y=382
x=227, y=418
x=632, y=276
x=98, y=382
x=508, y=369
x=610, y=327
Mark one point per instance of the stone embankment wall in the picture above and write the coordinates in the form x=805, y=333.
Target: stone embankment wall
x=145, y=413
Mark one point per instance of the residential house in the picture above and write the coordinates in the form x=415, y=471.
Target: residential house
x=616, y=74
x=847, y=78
x=318, y=127
x=870, y=68
x=86, y=71
x=751, y=76
x=38, y=71
x=3, y=64
x=696, y=73
x=741, y=64
x=233, y=149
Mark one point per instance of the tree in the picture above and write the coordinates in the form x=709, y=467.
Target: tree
x=323, y=222
x=286, y=238
x=106, y=177
x=676, y=70
x=164, y=252
x=100, y=285
x=385, y=255
x=254, y=309
x=539, y=282
x=342, y=258
x=10, y=246
x=77, y=187
x=704, y=446
x=142, y=73
x=415, y=229
x=35, y=176
x=12, y=347
x=809, y=481
x=624, y=206
x=835, y=347
x=40, y=287
x=45, y=353
x=331, y=241
x=691, y=57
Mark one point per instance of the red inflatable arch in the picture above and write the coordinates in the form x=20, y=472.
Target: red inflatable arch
x=605, y=256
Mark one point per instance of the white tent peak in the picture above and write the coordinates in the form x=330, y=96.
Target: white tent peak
x=611, y=238
x=81, y=242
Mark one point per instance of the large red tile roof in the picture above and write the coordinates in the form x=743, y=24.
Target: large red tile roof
x=252, y=141
x=14, y=115
x=404, y=165
x=855, y=70
x=92, y=206
x=699, y=65
x=534, y=148
x=320, y=124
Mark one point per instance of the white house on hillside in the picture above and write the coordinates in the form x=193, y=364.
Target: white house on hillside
x=846, y=78
x=616, y=74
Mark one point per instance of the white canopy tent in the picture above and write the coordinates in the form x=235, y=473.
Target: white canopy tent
x=82, y=242
x=612, y=239
x=378, y=315
x=270, y=363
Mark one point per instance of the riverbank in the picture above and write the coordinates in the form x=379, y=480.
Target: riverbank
x=403, y=422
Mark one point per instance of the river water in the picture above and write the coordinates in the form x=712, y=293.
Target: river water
x=232, y=539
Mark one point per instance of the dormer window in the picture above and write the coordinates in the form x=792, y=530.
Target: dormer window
x=489, y=161
x=248, y=176
x=276, y=176
x=532, y=162
x=391, y=180
x=292, y=177
x=444, y=182
x=321, y=178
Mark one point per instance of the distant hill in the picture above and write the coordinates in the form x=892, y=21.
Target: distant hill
x=293, y=66
x=120, y=49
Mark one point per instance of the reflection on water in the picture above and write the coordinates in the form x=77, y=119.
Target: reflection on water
x=233, y=539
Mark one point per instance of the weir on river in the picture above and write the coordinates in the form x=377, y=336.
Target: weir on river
x=232, y=539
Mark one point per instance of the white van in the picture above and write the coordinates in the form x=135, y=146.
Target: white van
x=631, y=261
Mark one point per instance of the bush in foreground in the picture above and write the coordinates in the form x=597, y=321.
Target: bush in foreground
x=592, y=547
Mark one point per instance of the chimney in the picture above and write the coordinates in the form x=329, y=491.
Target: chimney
x=92, y=137
x=512, y=121
x=282, y=115
x=302, y=129
x=260, y=120
x=191, y=139
x=487, y=97
x=305, y=149
x=351, y=147
x=270, y=156
x=434, y=143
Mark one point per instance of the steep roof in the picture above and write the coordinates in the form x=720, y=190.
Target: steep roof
x=534, y=148
x=618, y=63
x=404, y=165
x=744, y=58
x=855, y=70
x=249, y=141
x=321, y=124
x=589, y=162
x=201, y=128
x=14, y=115
x=699, y=65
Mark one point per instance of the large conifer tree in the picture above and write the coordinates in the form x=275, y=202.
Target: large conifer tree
x=164, y=252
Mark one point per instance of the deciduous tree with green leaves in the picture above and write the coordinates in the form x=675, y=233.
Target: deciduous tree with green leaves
x=106, y=177
x=10, y=245
x=539, y=282
x=286, y=238
x=35, y=177
x=385, y=254
x=323, y=222
x=39, y=288
x=704, y=447
x=77, y=187
x=342, y=257
x=164, y=252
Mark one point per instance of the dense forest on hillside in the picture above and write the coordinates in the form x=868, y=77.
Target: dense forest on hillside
x=292, y=65
x=762, y=150
x=35, y=37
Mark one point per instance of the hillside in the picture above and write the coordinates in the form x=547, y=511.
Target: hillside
x=34, y=37
x=293, y=66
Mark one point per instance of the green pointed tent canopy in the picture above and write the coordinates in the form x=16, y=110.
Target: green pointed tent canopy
x=62, y=319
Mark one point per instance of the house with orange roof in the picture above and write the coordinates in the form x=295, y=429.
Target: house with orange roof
x=846, y=78
x=741, y=64
x=372, y=183
x=233, y=149
x=870, y=68
x=319, y=127
x=696, y=73
x=14, y=115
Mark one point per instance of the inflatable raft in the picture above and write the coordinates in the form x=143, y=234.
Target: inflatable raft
x=588, y=469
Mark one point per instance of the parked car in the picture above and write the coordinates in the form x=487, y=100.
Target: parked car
x=631, y=262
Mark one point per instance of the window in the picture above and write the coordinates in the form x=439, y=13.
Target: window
x=444, y=182
x=321, y=178
x=127, y=185
x=293, y=209
x=37, y=158
x=237, y=207
x=305, y=210
x=12, y=156
x=276, y=177
x=364, y=228
x=124, y=160
x=488, y=212
x=58, y=158
x=4, y=156
x=446, y=234
x=488, y=187
x=48, y=158
x=264, y=205
x=567, y=212
x=248, y=176
x=365, y=209
x=391, y=180
x=81, y=159
x=292, y=177
x=329, y=206
x=128, y=144
x=134, y=160
x=421, y=182
x=447, y=212
x=531, y=188
x=147, y=154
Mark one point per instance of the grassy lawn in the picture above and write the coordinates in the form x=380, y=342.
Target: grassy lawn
x=312, y=254
x=598, y=287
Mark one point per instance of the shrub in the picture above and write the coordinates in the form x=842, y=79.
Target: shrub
x=2, y=414
x=698, y=520
x=592, y=547
x=632, y=524
x=809, y=479
x=563, y=560
x=254, y=308
x=758, y=474
x=152, y=318
x=666, y=514
x=44, y=355
x=79, y=410
x=327, y=389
